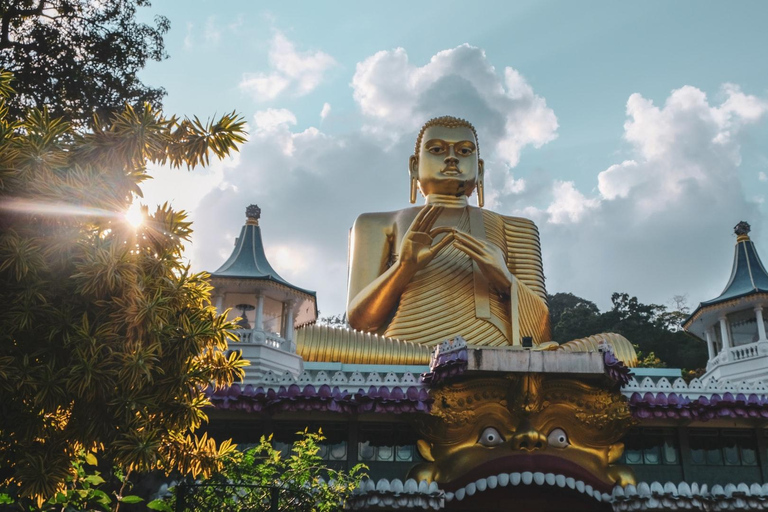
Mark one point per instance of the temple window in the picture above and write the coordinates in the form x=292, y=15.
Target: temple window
x=386, y=443
x=273, y=316
x=335, y=451
x=711, y=447
x=651, y=446
x=743, y=327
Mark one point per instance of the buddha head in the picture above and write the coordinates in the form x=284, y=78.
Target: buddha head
x=446, y=160
x=528, y=434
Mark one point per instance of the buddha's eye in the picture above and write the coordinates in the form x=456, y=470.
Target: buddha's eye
x=435, y=150
x=465, y=151
x=558, y=438
x=490, y=437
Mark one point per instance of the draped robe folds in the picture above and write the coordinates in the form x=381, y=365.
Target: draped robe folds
x=451, y=296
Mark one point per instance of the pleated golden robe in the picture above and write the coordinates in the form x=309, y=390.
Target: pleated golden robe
x=451, y=297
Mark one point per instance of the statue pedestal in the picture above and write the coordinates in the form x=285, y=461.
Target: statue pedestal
x=515, y=360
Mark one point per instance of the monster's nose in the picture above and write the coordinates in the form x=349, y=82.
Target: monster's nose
x=529, y=439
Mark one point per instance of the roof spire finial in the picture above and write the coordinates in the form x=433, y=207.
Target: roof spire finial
x=742, y=230
x=252, y=214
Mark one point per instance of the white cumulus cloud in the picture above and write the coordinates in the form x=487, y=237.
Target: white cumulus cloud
x=325, y=111
x=568, y=205
x=686, y=143
x=399, y=95
x=294, y=72
x=659, y=223
x=273, y=118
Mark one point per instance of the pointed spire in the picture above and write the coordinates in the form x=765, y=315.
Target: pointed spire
x=248, y=260
x=253, y=214
x=742, y=230
x=748, y=275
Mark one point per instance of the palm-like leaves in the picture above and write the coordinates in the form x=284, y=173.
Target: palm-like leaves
x=106, y=340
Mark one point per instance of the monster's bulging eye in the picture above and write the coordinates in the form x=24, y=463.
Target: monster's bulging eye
x=490, y=437
x=558, y=438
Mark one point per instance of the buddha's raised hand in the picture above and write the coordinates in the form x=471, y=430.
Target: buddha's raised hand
x=489, y=258
x=416, y=248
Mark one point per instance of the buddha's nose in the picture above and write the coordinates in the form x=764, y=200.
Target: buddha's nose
x=528, y=439
x=451, y=160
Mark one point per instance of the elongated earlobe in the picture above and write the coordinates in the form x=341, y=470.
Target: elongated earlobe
x=480, y=194
x=480, y=184
x=413, y=171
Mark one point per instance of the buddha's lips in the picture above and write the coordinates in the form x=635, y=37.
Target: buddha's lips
x=533, y=463
x=451, y=170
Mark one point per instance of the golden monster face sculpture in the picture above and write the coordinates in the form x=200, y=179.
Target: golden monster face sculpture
x=530, y=431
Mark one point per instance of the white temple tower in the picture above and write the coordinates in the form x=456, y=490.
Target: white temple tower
x=271, y=308
x=734, y=323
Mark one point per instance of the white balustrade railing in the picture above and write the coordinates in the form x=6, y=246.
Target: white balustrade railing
x=269, y=339
x=744, y=352
x=740, y=353
x=245, y=335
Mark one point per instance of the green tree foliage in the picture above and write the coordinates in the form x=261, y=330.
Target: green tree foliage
x=653, y=329
x=107, y=340
x=572, y=317
x=83, y=491
x=263, y=478
x=78, y=56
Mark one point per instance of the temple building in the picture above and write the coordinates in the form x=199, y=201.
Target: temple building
x=268, y=306
x=447, y=386
x=732, y=323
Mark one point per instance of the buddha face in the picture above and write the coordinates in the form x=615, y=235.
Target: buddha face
x=560, y=437
x=448, y=161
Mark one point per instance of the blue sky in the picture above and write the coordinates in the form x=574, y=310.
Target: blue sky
x=634, y=133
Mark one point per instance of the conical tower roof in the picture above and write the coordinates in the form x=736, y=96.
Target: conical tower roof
x=748, y=275
x=248, y=260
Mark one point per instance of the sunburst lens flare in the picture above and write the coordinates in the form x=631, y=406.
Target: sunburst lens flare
x=134, y=216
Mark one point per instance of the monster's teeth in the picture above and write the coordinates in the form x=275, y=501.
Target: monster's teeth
x=527, y=477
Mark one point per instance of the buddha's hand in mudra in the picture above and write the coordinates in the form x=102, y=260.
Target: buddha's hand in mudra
x=489, y=258
x=418, y=246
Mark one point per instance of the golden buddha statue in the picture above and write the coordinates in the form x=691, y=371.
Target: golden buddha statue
x=423, y=275
x=427, y=274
